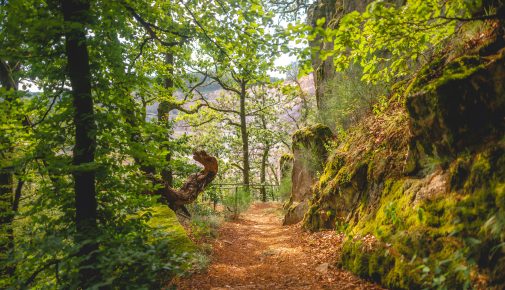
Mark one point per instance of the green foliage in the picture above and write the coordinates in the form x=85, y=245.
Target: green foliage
x=347, y=99
x=205, y=225
x=140, y=245
x=284, y=190
x=236, y=202
x=389, y=40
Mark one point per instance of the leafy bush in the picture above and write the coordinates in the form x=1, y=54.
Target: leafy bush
x=205, y=221
x=284, y=191
x=237, y=201
x=347, y=99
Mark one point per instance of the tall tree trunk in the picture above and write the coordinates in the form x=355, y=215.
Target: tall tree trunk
x=164, y=116
x=6, y=218
x=136, y=139
x=264, y=157
x=7, y=204
x=245, y=137
x=76, y=13
x=274, y=174
x=324, y=70
x=263, y=172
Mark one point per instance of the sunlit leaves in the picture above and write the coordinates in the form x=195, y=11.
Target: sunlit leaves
x=387, y=40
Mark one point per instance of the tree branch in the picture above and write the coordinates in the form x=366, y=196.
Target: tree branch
x=207, y=104
x=56, y=95
x=237, y=166
x=205, y=33
x=149, y=27
x=141, y=51
x=477, y=18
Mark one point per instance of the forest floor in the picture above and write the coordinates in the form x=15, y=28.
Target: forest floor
x=257, y=252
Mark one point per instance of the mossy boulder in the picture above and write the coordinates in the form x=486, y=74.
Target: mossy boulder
x=309, y=156
x=356, y=170
x=461, y=109
x=438, y=231
x=423, y=206
x=315, y=138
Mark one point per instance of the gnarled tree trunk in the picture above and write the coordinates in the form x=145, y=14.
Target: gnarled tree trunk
x=194, y=185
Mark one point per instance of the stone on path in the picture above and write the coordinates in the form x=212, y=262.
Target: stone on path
x=323, y=268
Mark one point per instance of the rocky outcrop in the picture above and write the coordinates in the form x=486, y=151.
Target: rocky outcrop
x=309, y=156
x=373, y=151
x=429, y=196
x=331, y=11
x=462, y=109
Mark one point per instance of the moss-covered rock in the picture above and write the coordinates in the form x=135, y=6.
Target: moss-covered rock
x=315, y=137
x=309, y=156
x=286, y=164
x=424, y=208
x=462, y=108
x=435, y=240
x=356, y=169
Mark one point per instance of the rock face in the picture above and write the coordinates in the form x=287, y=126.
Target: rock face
x=428, y=190
x=309, y=155
x=461, y=110
x=332, y=11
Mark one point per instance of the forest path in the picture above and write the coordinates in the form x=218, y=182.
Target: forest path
x=257, y=252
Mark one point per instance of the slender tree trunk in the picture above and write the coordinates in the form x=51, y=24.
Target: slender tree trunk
x=75, y=13
x=274, y=174
x=6, y=218
x=136, y=139
x=7, y=204
x=263, y=172
x=245, y=137
x=164, y=117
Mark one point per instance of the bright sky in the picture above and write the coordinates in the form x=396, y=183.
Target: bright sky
x=284, y=60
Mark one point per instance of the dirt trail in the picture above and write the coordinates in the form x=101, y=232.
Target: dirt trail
x=257, y=252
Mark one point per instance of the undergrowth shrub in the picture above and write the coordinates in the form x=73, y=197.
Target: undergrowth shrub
x=284, y=190
x=205, y=221
x=237, y=202
x=347, y=99
x=142, y=260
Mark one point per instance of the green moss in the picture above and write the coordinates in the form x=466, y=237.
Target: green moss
x=458, y=69
x=458, y=109
x=430, y=71
x=436, y=242
x=459, y=171
x=317, y=134
x=164, y=218
x=286, y=165
x=335, y=162
x=286, y=157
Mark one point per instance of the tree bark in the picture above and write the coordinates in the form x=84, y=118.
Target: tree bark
x=136, y=139
x=194, y=185
x=245, y=137
x=263, y=172
x=6, y=182
x=264, y=157
x=75, y=14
